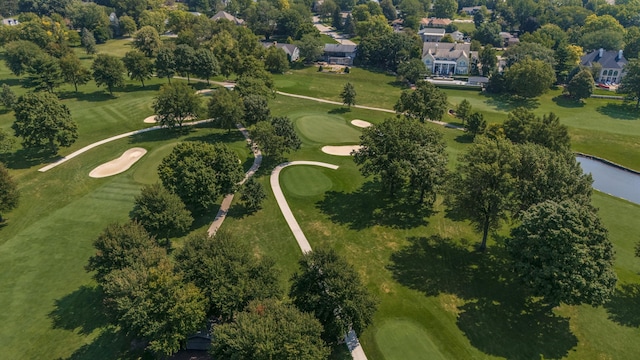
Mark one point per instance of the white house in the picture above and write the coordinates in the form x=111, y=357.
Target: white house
x=292, y=51
x=447, y=58
x=431, y=34
x=612, y=63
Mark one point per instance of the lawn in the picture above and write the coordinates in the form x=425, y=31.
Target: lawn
x=438, y=297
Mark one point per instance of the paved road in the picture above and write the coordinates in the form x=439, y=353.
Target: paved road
x=351, y=339
x=329, y=31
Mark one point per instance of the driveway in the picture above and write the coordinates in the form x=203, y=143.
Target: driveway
x=329, y=31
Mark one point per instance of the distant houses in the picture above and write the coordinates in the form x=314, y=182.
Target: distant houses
x=431, y=34
x=10, y=22
x=612, y=63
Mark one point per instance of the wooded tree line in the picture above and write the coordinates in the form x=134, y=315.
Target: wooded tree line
x=522, y=171
x=217, y=280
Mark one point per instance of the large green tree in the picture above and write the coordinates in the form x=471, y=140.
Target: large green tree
x=403, y=153
x=481, y=187
x=276, y=137
x=276, y=60
x=165, y=63
x=329, y=287
x=310, y=47
x=205, y=64
x=488, y=60
x=161, y=212
x=256, y=109
x=175, y=104
x=41, y=120
x=138, y=66
x=19, y=55
x=270, y=329
x=121, y=246
x=227, y=272
x=562, y=252
x=253, y=195
x=581, y=85
x=156, y=304
x=412, y=70
x=185, y=60
x=9, y=194
x=108, y=70
x=630, y=84
x=227, y=107
x=147, y=40
x=523, y=126
x=426, y=102
x=530, y=78
x=73, y=72
x=200, y=173
x=44, y=73
x=445, y=8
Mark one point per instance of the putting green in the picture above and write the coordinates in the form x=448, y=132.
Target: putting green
x=404, y=339
x=327, y=129
x=304, y=181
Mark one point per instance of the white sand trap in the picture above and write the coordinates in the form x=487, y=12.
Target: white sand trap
x=150, y=119
x=344, y=150
x=360, y=123
x=121, y=164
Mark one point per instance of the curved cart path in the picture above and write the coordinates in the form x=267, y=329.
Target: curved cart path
x=226, y=202
x=107, y=140
x=351, y=339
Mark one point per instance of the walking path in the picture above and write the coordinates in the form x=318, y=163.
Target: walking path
x=330, y=32
x=357, y=353
x=107, y=140
x=226, y=202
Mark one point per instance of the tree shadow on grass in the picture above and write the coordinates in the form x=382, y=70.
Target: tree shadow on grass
x=498, y=318
x=339, y=110
x=110, y=344
x=367, y=207
x=26, y=158
x=98, y=95
x=507, y=103
x=81, y=311
x=620, y=111
x=567, y=102
x=624, y=306
x=464, y=138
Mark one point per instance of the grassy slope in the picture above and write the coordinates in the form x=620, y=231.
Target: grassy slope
x=465, y=304
x=602, y=127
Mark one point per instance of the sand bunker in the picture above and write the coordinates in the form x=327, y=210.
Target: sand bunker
x=204, y=91
x=344, y=150
x=360, y=123
x=150, y=119
x=118, y=165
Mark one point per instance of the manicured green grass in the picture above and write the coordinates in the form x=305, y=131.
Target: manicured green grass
x=403, y=339
x=324, y=129
x=424, y=269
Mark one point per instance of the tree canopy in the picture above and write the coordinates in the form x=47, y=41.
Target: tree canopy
x=530, y=78
x=138, y=66
x=630, y=84
x=426, y=102
x=330, y=288
x=176, y=103
x=269, y=329
x=108, y=70
x=562, y=252
x=160, y=212
x=199, y=173
x=41, y=120
x=227, y=107
x=348, y=94
x=9, y=194
x=227, y=273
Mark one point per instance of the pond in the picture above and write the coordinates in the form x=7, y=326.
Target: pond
x=611, y=179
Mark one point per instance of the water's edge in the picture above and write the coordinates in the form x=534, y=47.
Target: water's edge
x=611, y=178
x=593, y=157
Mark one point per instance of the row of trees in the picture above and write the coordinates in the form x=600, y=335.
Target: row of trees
x=524, y=172
x=217, y=279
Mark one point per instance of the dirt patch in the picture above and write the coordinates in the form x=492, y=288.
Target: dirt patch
x=119, y=165
x=344, y=150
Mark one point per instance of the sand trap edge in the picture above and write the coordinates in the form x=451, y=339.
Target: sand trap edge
x=360, y=123
x=150, y=119
x=119, y=165
x=344, y=150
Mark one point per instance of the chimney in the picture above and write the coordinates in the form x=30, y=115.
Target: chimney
x=600, y=52
x=619, y=54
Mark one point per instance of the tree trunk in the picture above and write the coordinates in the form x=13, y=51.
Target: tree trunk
x=169, y=78
x=485, y=233
x=142, y=81
x=188, y=79
x=75, y=84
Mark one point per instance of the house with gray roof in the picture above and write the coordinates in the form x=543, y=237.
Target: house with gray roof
x=612, y=63
x=431, y=34
x=225, y=15
x=447, y=58
x=292, y=51
x=10, y=22
x=340, y=54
